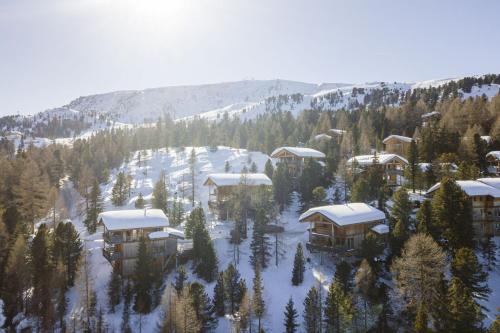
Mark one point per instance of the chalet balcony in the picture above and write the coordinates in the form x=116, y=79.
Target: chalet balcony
x=320, y=242
x=113, y=238
x=111, y=255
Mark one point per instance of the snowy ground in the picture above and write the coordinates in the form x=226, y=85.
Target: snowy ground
x=277, y=279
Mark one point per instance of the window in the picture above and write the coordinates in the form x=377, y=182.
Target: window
x=350, y=243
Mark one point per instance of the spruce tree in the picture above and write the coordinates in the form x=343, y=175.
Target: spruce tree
x=282, y=187
x=339, y=309
x=467, y=268
x=160, y=194
x=196, y=216
x=259, y=306
x=438, y=308
x=465, y=313
x=343, y=275
x=234, y=288
x=114, y=289
x=260, y=241
x=452, y=215
x=298, y=266
x=312, y=311
x=219, y=296
x=204, y=256
x=424, y=218
x=268, y=169
x=180, y=280
x=139, y=203
x=67, y=247
x=201, y=304
x=119, y=192
x=290, y=317
x=143, y=279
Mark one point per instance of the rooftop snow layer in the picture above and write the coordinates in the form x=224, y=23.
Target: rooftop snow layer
x=382, y=159
x=495, y=182
x=336, y=131
x=234, y=179
x=133, y=219
x=322, y=137
x=398, y=137
x=430, y=114
x=300, y=152
x=494, y=153
x=168, y=232
x=342, y=215
x=381, y=229
x=472, y=188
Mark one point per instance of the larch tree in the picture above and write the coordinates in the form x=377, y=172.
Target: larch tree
x=418, y=270
x=364, y=281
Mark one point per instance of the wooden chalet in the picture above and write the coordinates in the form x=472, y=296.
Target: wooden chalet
x=484, y=196
x=124, y=229
x=342, y=228
x=430, y=118
x=295, y=157
x=397, y=144
x=393, y=164
x=493, y=159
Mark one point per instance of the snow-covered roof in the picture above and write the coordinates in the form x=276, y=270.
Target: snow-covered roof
x=342, y=215
x=234, y=179
x=168, y=232
x=486, y=138
x=322, y=137
x=430, y=114
x=382, y=159
x=133, y=219
x=472, y=188
x=424, y=166
x=494, y=153
x=381, y=229
x=495, y=182
x=398, y=137
x=300, y=152
x=337, y=131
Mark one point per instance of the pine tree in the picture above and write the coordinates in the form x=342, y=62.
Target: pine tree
x=197, y=216
x=311, y=178
x=281, y=186
x=139, y=203
x=177, y=213
x=204, y=256
x=312, y=311
x=438, y=308
x=467, y=268
x=143, y=279
x=465, y=313
x=259, y=306
x=418, y=270
x=180, y=279
x=234, y=288
x=452, y=215
x=339, y=310
x=343, y=275
x=42, y=270
x=424, y=218
x=94, y=209
x=260, y=241
x=160, y=194
x=413, y=166
x=67, y=247
x=120, y=190
x=219, y=297
x=268, y=169
x=298, y=266
x=114, y=288
x=201, y=304
x=290, y=317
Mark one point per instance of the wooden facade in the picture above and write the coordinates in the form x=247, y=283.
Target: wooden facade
x=395, y=145
x=493, y=163
x=121, y=246
x=294, y=162
x=327, y=235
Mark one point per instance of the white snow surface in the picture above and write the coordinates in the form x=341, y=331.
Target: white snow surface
x=133, y=219
x=347, y=214
x=168, y=232
x=381, y=229
x=300, y=152
x=495, y=182
x=472, y=188
x=494, y=153
x=398, y=137
x=382, y=159
x=234, y=179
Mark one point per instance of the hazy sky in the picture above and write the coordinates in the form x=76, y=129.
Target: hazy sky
x=54, y=51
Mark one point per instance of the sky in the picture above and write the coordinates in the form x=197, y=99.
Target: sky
x=53, y=51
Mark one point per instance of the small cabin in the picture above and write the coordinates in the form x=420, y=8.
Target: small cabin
x=342, y=228
x=394, y=166
x=430, y=118
x=493, y=159
x=223, y=186
x=397, y=144
x=484, y=196
x=295, y=157
x=124, y=229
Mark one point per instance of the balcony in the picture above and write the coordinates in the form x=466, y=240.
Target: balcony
x=113, y=238
x=110, y=254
